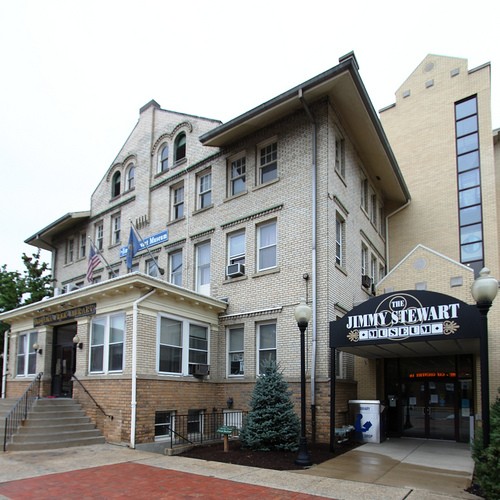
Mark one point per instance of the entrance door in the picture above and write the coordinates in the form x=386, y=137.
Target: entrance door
x=64, y=361
x=430, y=409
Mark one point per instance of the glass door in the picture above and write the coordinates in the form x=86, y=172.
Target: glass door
x=430, y=409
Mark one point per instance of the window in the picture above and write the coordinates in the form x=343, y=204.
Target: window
x=236, y=248
x=266, y=246
x=99, y=236
x=469, y=184
x=203, y=268
x=373, y=269
x=181, y=345
x=374, y=209
x=163, y=159
x=340, y=156
x=235, y=351
x=364, y=260
x=204, y=190
x=115, y=184
x=152, y=267
x=175, y=267
x=268, y=163
x=381, y=219
x=194, y=422
x=83, y=245
x=106, y=343
x=177, y=197
x=131, y=177
x=266, y=345
x=115, y=228
x=164, y=424
x=237, y=176
x=180, y=147
x=26, y=355
x=70, y=250
x=339, y=240
x=364, y=195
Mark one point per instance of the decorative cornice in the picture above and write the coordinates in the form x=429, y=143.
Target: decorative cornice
x=250, y=314
x=175, y=243
x=256, y=215
x=202, y=234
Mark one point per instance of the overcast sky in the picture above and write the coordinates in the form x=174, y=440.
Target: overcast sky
x=74, y=74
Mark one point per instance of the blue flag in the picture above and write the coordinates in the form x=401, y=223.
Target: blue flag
x=133, y=247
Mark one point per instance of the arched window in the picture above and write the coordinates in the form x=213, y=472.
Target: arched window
x=115, y=185
x=163, y=163
x=131, y=177
x=180, y=147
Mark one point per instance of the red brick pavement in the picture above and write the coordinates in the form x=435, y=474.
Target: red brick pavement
x=132, y=480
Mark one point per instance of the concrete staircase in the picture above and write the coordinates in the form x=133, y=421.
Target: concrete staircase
x=5, y=407
x=55, y=423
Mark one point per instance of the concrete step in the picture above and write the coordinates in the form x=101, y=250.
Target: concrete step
x=53, y=445
x=29, y=437
x=55, y=423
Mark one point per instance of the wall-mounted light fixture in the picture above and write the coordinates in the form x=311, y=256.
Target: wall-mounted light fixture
x=37, y=348
x=76, y=341
x=230, y=402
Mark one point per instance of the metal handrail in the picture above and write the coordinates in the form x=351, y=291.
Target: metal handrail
x=19, y=412
x=92, y=398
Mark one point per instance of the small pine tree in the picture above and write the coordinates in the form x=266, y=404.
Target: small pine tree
x=487, y=460
x=272, y=423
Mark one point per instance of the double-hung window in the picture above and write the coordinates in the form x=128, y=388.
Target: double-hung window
x=339, y=240
x=164, y=424
x=177, y=196
x=236, y=248
x=181, y=345
x=163, y=159
x=115, y=227
x=130, y=177
x=204, y=190
x=175, y=267
x=83, y=245
x=364, y=259
x=237, y=176
x=268, y=162
x=340, y=155
x=365, y=195
x=106, y=343
x=235, y=360
x=152, y=267
x=266, y=341
x=203, y=268
x=266, y=246
x=99, y=236
x=26, y=354
x=70, y=251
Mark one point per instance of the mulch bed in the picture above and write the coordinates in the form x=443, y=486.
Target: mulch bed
x=276, y=460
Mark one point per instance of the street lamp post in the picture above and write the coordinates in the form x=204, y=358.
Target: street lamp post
x=484, y=290
x=303, y=316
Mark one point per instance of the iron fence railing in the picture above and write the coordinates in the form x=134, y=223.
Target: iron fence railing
x=20, y=410
x=92, y=398
x=201, y=427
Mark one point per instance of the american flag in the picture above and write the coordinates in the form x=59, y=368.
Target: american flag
x=94, y=261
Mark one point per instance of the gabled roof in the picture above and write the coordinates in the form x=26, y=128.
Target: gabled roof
x=342, y=84
x=44, y=237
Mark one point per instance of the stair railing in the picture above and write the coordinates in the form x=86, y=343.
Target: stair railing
x=92, y=398
x=19, y=412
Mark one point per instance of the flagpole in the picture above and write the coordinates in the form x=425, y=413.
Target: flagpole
x=160, y=269
x=98, y=252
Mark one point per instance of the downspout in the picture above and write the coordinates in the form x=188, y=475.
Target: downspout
x=313, y=259
x=387, y=231
x=133, y=402
x=4, y=364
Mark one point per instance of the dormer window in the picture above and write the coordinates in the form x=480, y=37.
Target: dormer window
x=180, y=147
x=115, y=184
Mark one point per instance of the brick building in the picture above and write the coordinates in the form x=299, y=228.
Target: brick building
x=301, y=197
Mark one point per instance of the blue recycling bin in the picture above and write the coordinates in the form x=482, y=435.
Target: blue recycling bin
x=367, y=417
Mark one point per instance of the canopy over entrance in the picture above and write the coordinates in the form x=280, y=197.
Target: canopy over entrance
x=409, y=323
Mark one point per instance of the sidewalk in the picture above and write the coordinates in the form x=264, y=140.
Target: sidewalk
x=107, y=471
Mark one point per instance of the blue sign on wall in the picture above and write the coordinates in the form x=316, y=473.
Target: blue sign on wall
x=149, y=241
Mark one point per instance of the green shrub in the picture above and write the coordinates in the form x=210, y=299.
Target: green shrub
x=487, y=461
x=272, y=423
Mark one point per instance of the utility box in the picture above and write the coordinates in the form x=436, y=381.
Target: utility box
x=368, y=419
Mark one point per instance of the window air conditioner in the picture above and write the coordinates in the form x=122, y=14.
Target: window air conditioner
x=366, y=281
x=234, y=270
x=201, y=370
